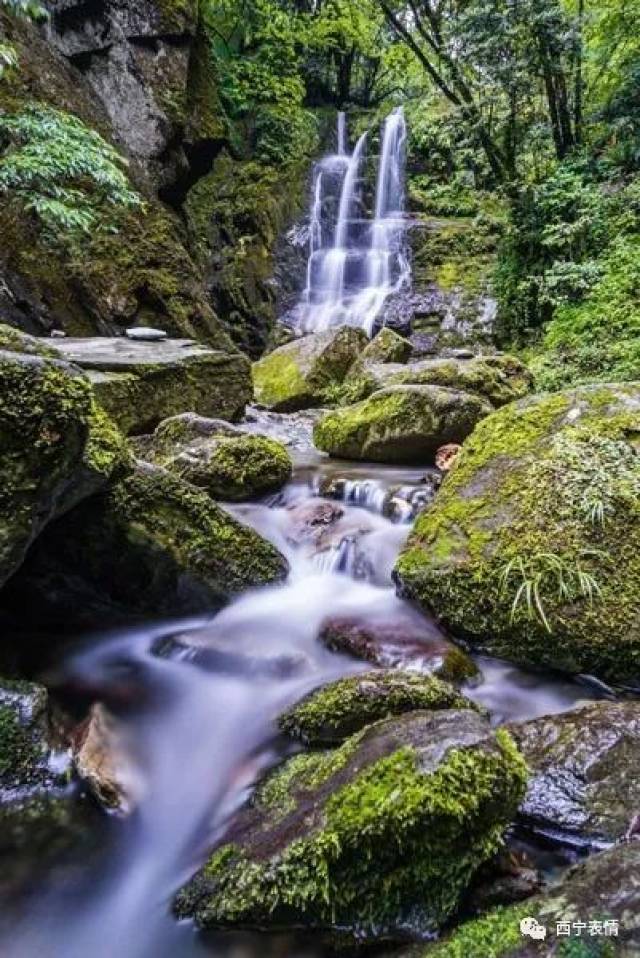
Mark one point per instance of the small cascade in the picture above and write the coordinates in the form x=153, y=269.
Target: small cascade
x=355, y=264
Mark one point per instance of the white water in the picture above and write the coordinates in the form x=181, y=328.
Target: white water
x=355, y=264
x=199, y=726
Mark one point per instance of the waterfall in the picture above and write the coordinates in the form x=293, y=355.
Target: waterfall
x=356, y=263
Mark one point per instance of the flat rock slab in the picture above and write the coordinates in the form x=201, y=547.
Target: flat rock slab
x=141, y=383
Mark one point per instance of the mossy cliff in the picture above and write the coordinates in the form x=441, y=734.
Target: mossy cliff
x=380, y=835
x=532, y=549
x=150, y=545
x=58, y=447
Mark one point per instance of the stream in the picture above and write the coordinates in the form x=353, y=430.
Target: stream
x=194, y=704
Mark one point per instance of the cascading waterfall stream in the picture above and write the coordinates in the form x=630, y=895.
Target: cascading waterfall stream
x=356, y=266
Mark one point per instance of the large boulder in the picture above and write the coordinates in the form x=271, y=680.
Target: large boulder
x=401, y=424
x=331, y=714
x=375, y=837
x=590, y=912
x=226, y=462
x=499, y=378
x=57, y=446
x=303, y=373
x=140, y=383
x=584, y=787
x=151, y=545
x=532, y=548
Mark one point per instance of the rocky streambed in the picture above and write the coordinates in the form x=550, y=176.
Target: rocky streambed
x=314, y=703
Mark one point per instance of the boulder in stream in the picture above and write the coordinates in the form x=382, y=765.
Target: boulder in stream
x=331, y=714
x=531, y=550
x=303, y=373
x=151, y=545
x=57, y=445
x=584, y=787
x=378, y=836
x=141, y=383
x=601, y=895
x=401, y=424
x=226, y=462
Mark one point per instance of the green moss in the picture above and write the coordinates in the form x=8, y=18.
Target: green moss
x=106, y=452
x=517, y=494
x=494, y=935
x=338, y=710
x=392, y=843
x=277, y=377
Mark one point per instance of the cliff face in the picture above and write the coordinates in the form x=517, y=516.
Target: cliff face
x=195, y=256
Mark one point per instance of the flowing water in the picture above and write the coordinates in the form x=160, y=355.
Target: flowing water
x=355, y=263
x=195, y=702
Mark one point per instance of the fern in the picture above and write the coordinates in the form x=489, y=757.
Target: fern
x=62, y=171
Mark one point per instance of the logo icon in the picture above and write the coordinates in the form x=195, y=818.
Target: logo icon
x=530, y=928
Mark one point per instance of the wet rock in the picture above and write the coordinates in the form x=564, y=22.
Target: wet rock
x=603, y=890
x=331, y=714
x=302, y=373
x=509, y=877
x=402, y=645
x=24, y=738
x=367, y=838
x=141, y=383
x=211, y=454
x=401, y=424
x=584, y=787
x=58, y=447
x=499, y=379
x=545, y=501
x=151, y=545
x=446, y=456
x=102, y=763
x=386, y=347
x=309, y=519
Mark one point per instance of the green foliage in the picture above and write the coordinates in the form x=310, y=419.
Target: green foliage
x=534, y=577
x=25, y=8
x=62, y=171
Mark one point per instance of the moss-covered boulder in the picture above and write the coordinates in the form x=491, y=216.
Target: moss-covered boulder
x=379, y=835
x=401, y=424
x=532, y=548
x=585, y=773
x=56, y=445
x=24, y=746
x=303, y=373
x=400, y=645
x=226, y=462
x=603, y=892
x=151, y=545
x=140, y=383
x=331, y=714
x=386, y=347
x=499, y=379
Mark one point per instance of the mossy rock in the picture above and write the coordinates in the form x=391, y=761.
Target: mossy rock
x=302, y=374
x=386, y=347
x=584, y=787
x=227, y=463
x=331, y=714
x=141, y=383
x=57, y=445
x=380, y=835
x=544, y=502
x=499, y=379
x=604, y=888
x=151, y=545
x=23, y=736
x=400, y=424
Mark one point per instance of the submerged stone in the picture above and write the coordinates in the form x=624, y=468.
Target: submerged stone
x=303, y=373
x=531, y=550
x=374, y=838
x=401, y=424
x=331, y=714
x=151, y=545
x=584, y=787
x=141, y=383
